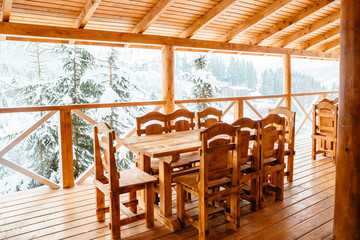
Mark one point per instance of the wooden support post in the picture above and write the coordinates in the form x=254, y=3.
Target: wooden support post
x=66, y=149
x=287, y=81
x=238, y=110
x=168, y=89
x=347, y=190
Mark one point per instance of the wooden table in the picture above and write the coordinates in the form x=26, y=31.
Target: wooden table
x=167, y=148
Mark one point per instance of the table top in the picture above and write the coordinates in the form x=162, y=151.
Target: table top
x=163, y=145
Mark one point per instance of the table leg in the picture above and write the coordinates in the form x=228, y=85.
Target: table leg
x=144, y=164
x=165, y=188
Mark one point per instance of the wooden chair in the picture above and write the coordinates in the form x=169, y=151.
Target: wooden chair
x=217, y=179
x=272, y=141
x=289, y=138
x=324, y=137
x=160, y=123
x=183, y=120
x=249, y=161
x=114, y=183
x=203, y=119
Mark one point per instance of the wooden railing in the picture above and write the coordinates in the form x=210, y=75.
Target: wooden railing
x=65, y=130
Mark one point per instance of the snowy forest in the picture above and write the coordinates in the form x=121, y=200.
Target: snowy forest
x=41, y=74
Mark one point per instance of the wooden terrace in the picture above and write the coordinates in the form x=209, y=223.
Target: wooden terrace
x=305, y=213
x=307, y=29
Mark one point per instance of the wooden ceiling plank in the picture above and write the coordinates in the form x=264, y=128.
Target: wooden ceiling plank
x=209, y=16
x=278, y=28
x=275, y=6
x=320, y=38
x=313, y=27
x=64, y=33
x=152, y=16
x=6, y=9
x=331, y=46
x=86, y=13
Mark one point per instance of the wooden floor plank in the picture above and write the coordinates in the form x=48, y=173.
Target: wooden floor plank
x=321, y=232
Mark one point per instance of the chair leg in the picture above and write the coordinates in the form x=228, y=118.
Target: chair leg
x=115, y=217
x=261, y=191
x=132, y=196
x=290, y=167
x=255, y=194
x=180, y=200
x=100, y=204
x=313, y=153
x=235, y=212
x=334, y=153
x=280, y=184
x=149, y=205
x=203, y=219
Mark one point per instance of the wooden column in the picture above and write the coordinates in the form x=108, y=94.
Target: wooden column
x=238, y=109
x=287, y=81
x=66, y=149
x=168, y=89
x=347, y=190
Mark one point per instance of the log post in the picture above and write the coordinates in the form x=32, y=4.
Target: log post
x=168, y=89
x=66, y=149
x=287, y=80
x=238, y=109
x=347, y=190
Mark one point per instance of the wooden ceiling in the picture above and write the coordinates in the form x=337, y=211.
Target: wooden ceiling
x=312, y=26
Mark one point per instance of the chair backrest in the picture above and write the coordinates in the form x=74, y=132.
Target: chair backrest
x=104, y=155
x=217, y=154
x=335, y=101
x=325, y=118
x=152, y=123
x=289, y=124
x=181, y=120
x=272, y=130
x=203, y=119
x=249, y=136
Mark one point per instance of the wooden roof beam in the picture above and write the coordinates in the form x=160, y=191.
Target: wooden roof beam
x=321, y=38
x=278, y=28
x=86, y=13
x=64, y=33
x=243, y=27
x=5, y=10
x=313, y=27
x=207, y=18
x=152, y=16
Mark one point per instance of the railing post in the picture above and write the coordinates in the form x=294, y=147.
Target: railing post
x=168, y=89
x=287, y=81
x=66, y=149
x=238, y=109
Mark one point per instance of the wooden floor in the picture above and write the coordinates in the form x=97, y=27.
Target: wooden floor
x=305, y=213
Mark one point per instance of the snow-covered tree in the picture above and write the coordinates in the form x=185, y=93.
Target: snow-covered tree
x=119, y=87
x=202, y=81
x=76, y=87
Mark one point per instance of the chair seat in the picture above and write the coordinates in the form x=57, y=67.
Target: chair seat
x=134, y=177
x=186, y=159
x=191, y=181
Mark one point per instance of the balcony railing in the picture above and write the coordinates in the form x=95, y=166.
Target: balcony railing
x=233, y=104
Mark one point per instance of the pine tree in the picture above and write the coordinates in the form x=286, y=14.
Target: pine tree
x=76, y=87
x=118, y=88
x=41, y=146
x=202, y=87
